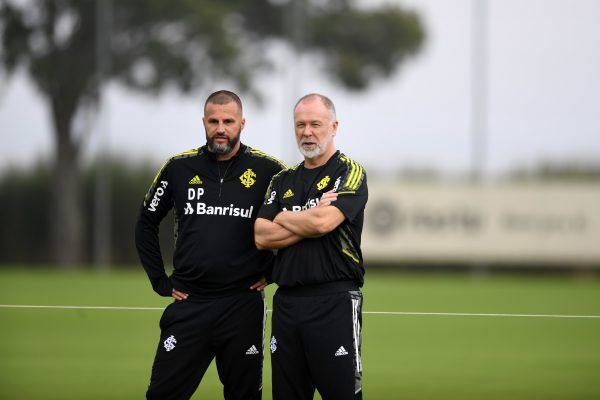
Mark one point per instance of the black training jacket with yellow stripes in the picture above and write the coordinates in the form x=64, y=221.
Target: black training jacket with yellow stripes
x=215, y=204
x=335, y=256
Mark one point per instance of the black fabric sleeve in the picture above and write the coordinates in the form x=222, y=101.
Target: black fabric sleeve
x=155, y=207
x=270, y=207
x=276, y=168
x=352, y=197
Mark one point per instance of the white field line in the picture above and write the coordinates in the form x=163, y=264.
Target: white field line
x=81, y=307
x=445, y=314
x=454, y=314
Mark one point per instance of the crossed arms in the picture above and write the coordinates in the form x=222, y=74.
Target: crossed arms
x=291, y=227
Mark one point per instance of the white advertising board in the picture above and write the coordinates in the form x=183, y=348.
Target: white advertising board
x=452, y=223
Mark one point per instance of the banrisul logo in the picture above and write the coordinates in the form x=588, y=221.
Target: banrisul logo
x=201, y=208
x=310, y=203
x=157, y=195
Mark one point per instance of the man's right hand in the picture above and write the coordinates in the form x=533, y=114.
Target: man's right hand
x=327, y=198
x=177, y=295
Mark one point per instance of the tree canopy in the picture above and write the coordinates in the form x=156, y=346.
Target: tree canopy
x=155, y=44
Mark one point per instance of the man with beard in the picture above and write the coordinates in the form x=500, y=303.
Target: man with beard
x=218, y=274
x=313, y=213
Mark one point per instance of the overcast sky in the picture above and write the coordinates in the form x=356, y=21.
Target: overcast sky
x=544, y=99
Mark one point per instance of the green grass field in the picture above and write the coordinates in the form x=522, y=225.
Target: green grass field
x=107, y=354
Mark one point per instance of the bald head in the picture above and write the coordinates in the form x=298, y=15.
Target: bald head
x=224, y=97
x=326, y=101
x=315, y=125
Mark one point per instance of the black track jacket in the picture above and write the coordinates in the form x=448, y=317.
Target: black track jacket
x=215, y=204
x=335, y=256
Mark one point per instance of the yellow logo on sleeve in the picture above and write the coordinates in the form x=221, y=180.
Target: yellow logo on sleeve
x=323, y=183
x=247, y=178
x=287, y=194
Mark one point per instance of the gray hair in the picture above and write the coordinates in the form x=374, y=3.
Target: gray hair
x=324, y=99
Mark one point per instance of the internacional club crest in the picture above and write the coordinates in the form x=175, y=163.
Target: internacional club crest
x=170, y=343
x=323, y=183
x=247, y=178
x=273, y=345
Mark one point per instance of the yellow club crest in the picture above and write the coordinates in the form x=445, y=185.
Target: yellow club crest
x=323, y=183
x=247, y=178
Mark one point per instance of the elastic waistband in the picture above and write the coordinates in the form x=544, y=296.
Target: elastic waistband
x=318, y=289
x=200, y=296
x=203, y=294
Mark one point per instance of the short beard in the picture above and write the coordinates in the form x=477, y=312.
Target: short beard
x=222, y=148
x=316, y=152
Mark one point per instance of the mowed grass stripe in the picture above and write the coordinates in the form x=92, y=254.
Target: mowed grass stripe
x=87, y=354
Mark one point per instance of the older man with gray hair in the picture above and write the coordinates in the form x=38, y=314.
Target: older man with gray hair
x=313, y=214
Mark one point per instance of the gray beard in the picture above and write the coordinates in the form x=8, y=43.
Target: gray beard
x=317, y=151
x=222, y=148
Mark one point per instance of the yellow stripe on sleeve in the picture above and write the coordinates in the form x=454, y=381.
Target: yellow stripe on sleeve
x=357, y=178
x=153, y=185
x=346, y=252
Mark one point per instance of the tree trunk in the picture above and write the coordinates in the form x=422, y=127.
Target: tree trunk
x=67, y=217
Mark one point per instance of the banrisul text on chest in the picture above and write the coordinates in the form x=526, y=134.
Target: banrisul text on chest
x=198, y=207
x=310, y=203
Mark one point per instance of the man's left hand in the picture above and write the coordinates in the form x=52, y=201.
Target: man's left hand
x=260, y=284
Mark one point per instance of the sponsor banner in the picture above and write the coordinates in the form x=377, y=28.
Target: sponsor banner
x=502, y=223
x=201, y=208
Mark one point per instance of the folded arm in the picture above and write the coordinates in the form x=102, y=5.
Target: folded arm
x=314, y=222
x=271, y=235
x=311, y=223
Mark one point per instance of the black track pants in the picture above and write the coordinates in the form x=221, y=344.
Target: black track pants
x=316, y=343
x=194, y=332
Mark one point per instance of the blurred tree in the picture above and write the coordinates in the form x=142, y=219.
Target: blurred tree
x=129, y=185
x=24, y=231
x=155, y=44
